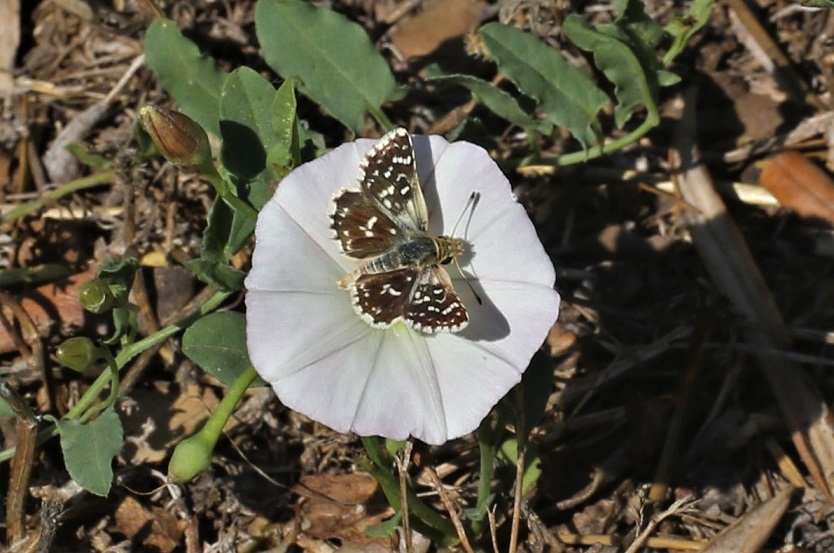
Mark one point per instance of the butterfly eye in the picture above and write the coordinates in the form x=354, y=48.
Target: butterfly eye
x=446, y=261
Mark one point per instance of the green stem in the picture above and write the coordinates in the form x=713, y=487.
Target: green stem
x=221, y=186
x=122, y=359
x=390, y=484
x=488, y=447
x=192, y=456
x=90, y=181
x=113, y=372
x=601, y=150
x=381, y=118
x=215, y=423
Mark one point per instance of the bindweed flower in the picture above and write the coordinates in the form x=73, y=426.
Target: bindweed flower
x=411, y=351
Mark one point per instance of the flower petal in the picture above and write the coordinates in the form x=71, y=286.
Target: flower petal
x=383, y=384
x=502, y=237
x=306, y=194
x=295, y=313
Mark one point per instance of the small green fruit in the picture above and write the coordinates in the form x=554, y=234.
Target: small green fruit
x=78, y=354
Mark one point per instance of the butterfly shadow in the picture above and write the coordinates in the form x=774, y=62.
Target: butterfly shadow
x=486, y=322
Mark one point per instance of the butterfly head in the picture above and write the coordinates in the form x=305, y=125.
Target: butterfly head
x=448, y=249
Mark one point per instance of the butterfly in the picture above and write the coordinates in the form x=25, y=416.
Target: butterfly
x=385, y=225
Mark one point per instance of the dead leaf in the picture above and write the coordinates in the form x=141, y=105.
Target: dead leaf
x=158, y=529
x=9, y=41
x=800, y=185
x=443, y=20
x=160, y=418
x=338, y=506
x=45, y=302
x=751, y=532
x=559, y=340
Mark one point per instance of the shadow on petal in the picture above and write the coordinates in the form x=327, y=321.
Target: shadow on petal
x=486, y=321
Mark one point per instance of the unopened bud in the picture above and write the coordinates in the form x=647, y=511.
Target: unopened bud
x=96, y=296
x=78, y=354
x=177, y=137
x=191, y=457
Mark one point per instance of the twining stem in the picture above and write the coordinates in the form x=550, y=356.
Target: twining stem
x=122, y=359
x=604, y=149
x=113, y=372
x=209, y=171
x=90, y=181
x=381, y=118
x=379, y=467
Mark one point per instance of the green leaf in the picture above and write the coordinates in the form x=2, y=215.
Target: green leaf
x=633, y=17
x=245, y=123
x=248, y=135
x=191, y=79
x=684, y=28
x=286, y=153
x=89, y=450
x=6, y=409
x=332, y=58
x=532, y=462
x=217, y=344
x=566, y=95
x=385, y=528
x=217, y=274
x=498, y=101
x=634, y=85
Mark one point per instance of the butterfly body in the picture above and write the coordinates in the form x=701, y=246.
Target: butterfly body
x=385, y=226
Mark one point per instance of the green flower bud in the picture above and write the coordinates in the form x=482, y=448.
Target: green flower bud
x=78, y=354
x=177, y=137
x=96, y=296
x=191, y=457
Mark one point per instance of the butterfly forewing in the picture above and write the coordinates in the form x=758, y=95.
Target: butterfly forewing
x=389, y=177
x=385, y=224
x=361, y=229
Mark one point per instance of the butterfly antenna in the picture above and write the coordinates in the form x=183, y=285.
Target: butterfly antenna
x=470, y=204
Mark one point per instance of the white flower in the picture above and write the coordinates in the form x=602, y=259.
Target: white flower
x=325, y=362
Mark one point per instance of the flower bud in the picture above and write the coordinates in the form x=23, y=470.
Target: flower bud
x=96, y=296
x=191, y=457
x=177, y=137
x=77, y=353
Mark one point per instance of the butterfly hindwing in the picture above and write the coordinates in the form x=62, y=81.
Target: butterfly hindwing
x=434, y=305
x=381, y=299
